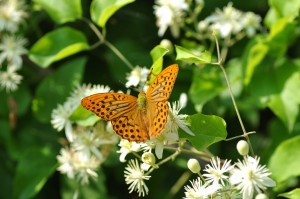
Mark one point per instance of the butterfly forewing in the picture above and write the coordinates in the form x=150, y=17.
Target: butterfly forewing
x=109, y=105
x=162, y=86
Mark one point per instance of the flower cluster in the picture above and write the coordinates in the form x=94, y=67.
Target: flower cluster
x=170, y=13
x=230, y=22
x=88, y=145
x=12, y=15
x=244, y=179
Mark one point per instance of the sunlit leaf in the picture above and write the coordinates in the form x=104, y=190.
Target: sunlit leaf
x=157, y=54
x=102, y=10
x=188, y=56
x=284, y=163
x=208, y=129
x=62, y=11
x=57, y=45
x=294, y=194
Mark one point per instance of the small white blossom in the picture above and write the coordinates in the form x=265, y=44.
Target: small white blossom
x=78, y=165
x=162, y=139
x=11, y=50
x=10, y=79
x=135, y=176
x=251, y=22
x=60, y=116
x=170, y=13
x=199, y=190
x=217, y=174
x=175, y=120
x=250, y=177
x=128, y=147
x=230, y=21
x=12, y=14
x=90, y=139
x=138, y=76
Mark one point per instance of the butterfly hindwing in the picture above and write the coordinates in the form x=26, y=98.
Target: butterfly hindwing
x=162, y=86
x=109, y=105
x=131, y=127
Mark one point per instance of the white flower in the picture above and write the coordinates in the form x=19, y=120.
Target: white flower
x=249, y=176
x=175, y=120
x=76, y=164
x=230, y=21
x=11, y=15
x=60, y=116
x=11, y=49
x=135, y=176
x=217, y=174
x=10, y=79
x=128, y=147
x=170, y=13
x=226, y=21
x=162, y=139
x=138, y=76
x=199, y=190
x=251, y=22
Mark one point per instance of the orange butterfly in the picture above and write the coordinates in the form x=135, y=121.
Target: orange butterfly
x=136, y=119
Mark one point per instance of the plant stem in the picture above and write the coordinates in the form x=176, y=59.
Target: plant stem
x=232, y=97
x=118, y=53
x=102, y=40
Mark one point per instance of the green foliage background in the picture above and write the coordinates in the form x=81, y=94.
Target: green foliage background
x=264, y=72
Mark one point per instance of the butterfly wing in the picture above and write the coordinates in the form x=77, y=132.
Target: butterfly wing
x=109, y=105
x=157, y=99
x=162, y=86
x=131, y=126
x=122, y=110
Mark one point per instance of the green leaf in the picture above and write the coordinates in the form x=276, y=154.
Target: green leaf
x=188, y=56
x=102, y=10
x=294, y=194
x=284, y=163
x=57, y=45
x=56, y=87
x=157, y=54
x=208, y=129
x=62, y=11
x=84, y=117
x=289, y=8
x=286, y=104
x=282, y=34
x=206, y=84
x=256, y=54
x=34, y=168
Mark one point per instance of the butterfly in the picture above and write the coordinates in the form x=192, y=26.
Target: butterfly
x=136, y=119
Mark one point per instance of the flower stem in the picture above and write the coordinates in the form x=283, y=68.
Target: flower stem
x=231, y=95
x=102, y=40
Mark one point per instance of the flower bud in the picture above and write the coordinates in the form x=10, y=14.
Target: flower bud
x=194, y=165
x=148, y=158
x=242, y=147
x=261, y=196
x=167, y=44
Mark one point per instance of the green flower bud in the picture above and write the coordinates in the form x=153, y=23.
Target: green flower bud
x=242, y=147
x=148, y=158
x=168, y=45
x=194, y=165
x=261, y=196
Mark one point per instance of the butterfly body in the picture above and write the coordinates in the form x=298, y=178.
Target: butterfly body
x=136, y=119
